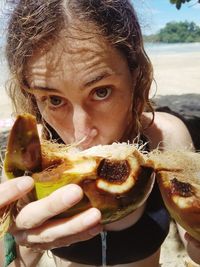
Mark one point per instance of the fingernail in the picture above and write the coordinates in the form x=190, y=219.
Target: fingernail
x=25, y=183
x=72, y=195
x=93, y=217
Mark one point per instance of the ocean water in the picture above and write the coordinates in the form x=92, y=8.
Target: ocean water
x=165, y=48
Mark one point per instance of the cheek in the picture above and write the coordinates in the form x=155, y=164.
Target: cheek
x=117, y=117
x=63, y=128
x=122, y=107
x=59, y=122
x=122, y=116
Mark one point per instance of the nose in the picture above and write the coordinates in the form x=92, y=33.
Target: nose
x=82, y=123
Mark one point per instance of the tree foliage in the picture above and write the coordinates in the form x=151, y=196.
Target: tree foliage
x=176, y=32
x=178, y=3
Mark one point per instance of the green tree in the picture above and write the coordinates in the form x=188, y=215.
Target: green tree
x=176, y=32
x=182, y=32
x=178, y=3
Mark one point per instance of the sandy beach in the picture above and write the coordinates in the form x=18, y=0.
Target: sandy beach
x=176, y=74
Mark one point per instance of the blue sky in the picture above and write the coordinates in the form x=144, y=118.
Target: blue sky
x=154, y=14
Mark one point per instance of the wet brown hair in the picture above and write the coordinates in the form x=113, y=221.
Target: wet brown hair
x=34, y=23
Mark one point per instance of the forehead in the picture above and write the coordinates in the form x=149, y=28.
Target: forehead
x=76, y=51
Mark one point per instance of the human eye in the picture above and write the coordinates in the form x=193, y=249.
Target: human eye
x=54, y=101
x=101, y=93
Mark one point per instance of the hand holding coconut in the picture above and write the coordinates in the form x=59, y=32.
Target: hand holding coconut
x=36, y=230
x=114, y=179
x=10, y=192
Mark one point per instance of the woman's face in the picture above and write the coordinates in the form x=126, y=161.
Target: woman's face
x=84, y=90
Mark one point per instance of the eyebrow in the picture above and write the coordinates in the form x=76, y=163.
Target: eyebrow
x=87, y=84
x=40, y=89
x=97, y=78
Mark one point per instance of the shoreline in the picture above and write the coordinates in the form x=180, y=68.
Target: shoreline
x=176, y=74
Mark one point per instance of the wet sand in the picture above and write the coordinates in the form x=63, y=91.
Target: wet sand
x=176, y=74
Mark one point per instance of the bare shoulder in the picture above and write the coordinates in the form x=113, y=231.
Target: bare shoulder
x=168, y=131
x=170, y=124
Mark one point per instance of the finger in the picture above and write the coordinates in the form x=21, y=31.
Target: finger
x=191, y=240
x=55, y=229
x=14, y=189
x=37, y=212
x=67, y=241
